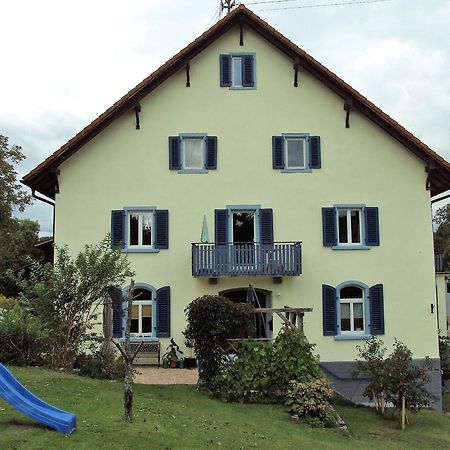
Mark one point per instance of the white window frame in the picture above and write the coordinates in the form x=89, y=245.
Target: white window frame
x=352, y=302
x=140, y=304
x=349, y=210
x=140, y=211
x=305, y=141
x=233, y=75
x=194, y=136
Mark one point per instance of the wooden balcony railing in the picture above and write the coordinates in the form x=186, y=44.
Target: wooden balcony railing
x=276, y=259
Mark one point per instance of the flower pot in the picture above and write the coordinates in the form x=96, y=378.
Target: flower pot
x=181, y=363
x=173, y=363
x=165, y=364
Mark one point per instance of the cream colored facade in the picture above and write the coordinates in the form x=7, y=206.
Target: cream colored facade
x=123, y=167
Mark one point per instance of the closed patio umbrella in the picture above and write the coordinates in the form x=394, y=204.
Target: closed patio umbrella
x=204, y=236
x=107, y=346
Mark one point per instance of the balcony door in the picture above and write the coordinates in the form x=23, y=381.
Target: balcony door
x=244, y=236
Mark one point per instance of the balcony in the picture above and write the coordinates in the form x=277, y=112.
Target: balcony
x=277, y=259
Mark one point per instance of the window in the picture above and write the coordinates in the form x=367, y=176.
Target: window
x=150, y=314
x=141, y=314
x=140, y=224
x=347, y=227
x=237, y=71
x=351, y=304
x=352, y=310
x=140, y=229
x=192, y=153
x=296, y=152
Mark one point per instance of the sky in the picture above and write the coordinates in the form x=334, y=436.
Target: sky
x=64, y=63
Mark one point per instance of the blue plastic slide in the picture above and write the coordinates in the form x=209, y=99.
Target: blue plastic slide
x=24, y=401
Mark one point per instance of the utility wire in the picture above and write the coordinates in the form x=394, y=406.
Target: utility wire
x=269, y=1
x=317, y=5
x=215, y=16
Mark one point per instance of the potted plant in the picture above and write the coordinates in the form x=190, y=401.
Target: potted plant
x=171, y=354
x=189, y=361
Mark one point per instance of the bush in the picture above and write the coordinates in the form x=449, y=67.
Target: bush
x=211, y=320
x=394, y=377
x=99, y=366
x=444, y=354
x=262, y=372
x=6, y=303
x=23, y=338
x=309, y=401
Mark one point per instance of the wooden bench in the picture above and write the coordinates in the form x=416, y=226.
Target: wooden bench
x=148, y=350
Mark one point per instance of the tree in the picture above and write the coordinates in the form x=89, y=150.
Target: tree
x=11, y=193
x=128, y=356
x=67, y=295
x=18, y=238
x=442, y=234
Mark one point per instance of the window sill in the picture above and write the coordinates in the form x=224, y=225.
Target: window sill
x=242, y=88
x=296, y=170
x=351, y=247
x=140, y=250
x=351, y=337
x=193, y=171
x=138, y=339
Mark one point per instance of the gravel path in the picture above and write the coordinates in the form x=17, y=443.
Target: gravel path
x=153, y=375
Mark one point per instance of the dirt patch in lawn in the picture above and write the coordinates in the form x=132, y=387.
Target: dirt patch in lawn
x=153, y=375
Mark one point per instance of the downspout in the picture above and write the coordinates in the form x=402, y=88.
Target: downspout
x=49, y=202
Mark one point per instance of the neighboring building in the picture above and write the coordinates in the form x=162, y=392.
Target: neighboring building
x=311, y=193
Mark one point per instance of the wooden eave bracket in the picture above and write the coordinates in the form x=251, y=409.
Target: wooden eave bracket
x=188, y=75
x=348, y=107
x=56, y=172
x=429, y=170
x=241, y=34
x=296, y=68
x=137, y=110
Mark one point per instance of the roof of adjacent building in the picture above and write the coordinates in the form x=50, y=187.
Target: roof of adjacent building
x=43, y=178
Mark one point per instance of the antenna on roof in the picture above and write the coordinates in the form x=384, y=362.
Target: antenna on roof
x=228, y=4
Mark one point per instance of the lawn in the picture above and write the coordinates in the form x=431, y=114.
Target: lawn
x=180, y=417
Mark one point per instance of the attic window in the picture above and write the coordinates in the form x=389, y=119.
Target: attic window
x=237, y=71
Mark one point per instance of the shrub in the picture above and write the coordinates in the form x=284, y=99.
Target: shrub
x=309, y=400
x=99, y=366
x=405, y=379
x=373, y=365
x=23, y=338
x=444, y=354
x=262, y=372
x=211, y=320
x=7, y=303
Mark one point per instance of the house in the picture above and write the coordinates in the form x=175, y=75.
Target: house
x=310, y=192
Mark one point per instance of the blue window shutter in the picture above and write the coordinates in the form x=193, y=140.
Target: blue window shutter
x=163, y=311
x=117, y=314
x=248, y=77
x=329, y=227
x=211, y=152
x=225, y=70
x=221, y=226
x=162, y=228
x=277, y=152
x=266, y=225
x=314, y=152
x=372, y=226
x=329, y=304
x=174, y=153
x=117, y=228
x=376, y=300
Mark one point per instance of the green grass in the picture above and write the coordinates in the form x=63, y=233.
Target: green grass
x=180, y=417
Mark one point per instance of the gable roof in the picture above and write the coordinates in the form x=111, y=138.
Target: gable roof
x=43, y=178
